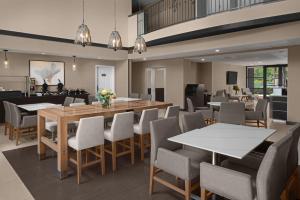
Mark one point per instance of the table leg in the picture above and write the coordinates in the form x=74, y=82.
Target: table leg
x=62, y=144
x=40, y=132
x=214, y=158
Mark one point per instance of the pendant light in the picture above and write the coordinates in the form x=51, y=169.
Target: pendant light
x=115, y=41
x=83, y=34
x=5, y=62
x=74, y=67
x=140, y=45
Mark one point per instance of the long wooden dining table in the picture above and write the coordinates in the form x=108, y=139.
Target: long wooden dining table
x=64, y=115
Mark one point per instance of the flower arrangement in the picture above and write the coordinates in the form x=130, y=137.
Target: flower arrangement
x=105, y=96
x=236, y=89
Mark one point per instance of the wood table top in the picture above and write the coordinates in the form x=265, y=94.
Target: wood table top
x=90, y=110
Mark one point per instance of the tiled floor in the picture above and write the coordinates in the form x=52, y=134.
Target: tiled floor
x=11, y=186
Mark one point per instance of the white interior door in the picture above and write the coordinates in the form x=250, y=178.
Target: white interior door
x=105, y=78
x=155, y=79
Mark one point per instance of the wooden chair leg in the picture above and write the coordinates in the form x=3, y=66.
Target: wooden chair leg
x=132, y=150
x=142, y=144
x=114, y=156
x=203, y=194
x=151, y=179
x=298, y=183
x=17, y=136
x=5, y=128
x=258, y=125
x=102, y=159
x=78, y=166
x=188, y=186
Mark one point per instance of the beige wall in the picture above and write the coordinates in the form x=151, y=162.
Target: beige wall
x=293, y=84
x=204, y=75
x=84, y=77
x=174, y=78
x=61, y=18
x=219, y=76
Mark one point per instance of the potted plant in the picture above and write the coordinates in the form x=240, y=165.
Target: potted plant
x=236, y=89
x=105, y=96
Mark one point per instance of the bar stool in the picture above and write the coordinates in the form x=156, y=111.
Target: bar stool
x=142, y=129
x=120, y=133
x=90, y=134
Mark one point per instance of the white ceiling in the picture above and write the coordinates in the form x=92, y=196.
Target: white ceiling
x=267, y=57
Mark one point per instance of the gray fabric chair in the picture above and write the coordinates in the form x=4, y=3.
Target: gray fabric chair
x=134, y=95
x=7, y=118
x=146, y=97
x=260, y=113
x=241, y=183
x=68, y=101
x=205, y=111
x=220, y=93
x=79, y=100
x=121, y=130
x=171, y=157
x=192, y=121
x=172, y=111
x=22, y=126
x=232, y=113
x=142, y=129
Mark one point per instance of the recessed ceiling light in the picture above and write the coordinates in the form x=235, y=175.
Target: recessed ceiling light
x=202, y=59
x=43, y=53
x=144, y=58
x=217, y=50
x=260, y=62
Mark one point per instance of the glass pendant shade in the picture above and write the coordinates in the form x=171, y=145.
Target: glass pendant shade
x=140, y=45
x=74, y=67
x=83, y=35
x=5, y=62
x=115, y=41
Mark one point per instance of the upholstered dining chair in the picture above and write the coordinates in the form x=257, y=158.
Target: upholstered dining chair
x=120, y=133
x=68, y=101
x=242, y=183
x=232, y=113
x=90, y=134
x=171, y=158
x=172, y=111
x=259, y=116
x=142, y=129
x=192, y=121
x=7, y=124
x=134, y=95
x=79, y=100
x=22, y=125
x=205, y=111
x=147, y=97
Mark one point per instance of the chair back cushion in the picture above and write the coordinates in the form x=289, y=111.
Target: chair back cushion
x=219, y=99
x=90, y=132
x=271, y=176
x=68, y=101
x=261, y=108
x=190, y=105
x=191, y=121
x=122, y=126
x=160, y=131
x=15, y=115
x=76, y=104
x=7, y=111
x=232, y=113
x=172, y=111
x=220, y=93
x=79, y=100
x=292, y=161
x=147, y=116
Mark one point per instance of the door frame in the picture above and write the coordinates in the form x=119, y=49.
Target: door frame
x=96, y=76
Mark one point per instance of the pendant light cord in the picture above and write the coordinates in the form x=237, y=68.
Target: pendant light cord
x=83, y=11
x=115, y=12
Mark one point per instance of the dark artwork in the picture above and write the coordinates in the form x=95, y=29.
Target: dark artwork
x=45, y=87
x=60, y=86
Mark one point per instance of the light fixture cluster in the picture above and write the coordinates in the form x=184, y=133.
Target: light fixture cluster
x=84, y=38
